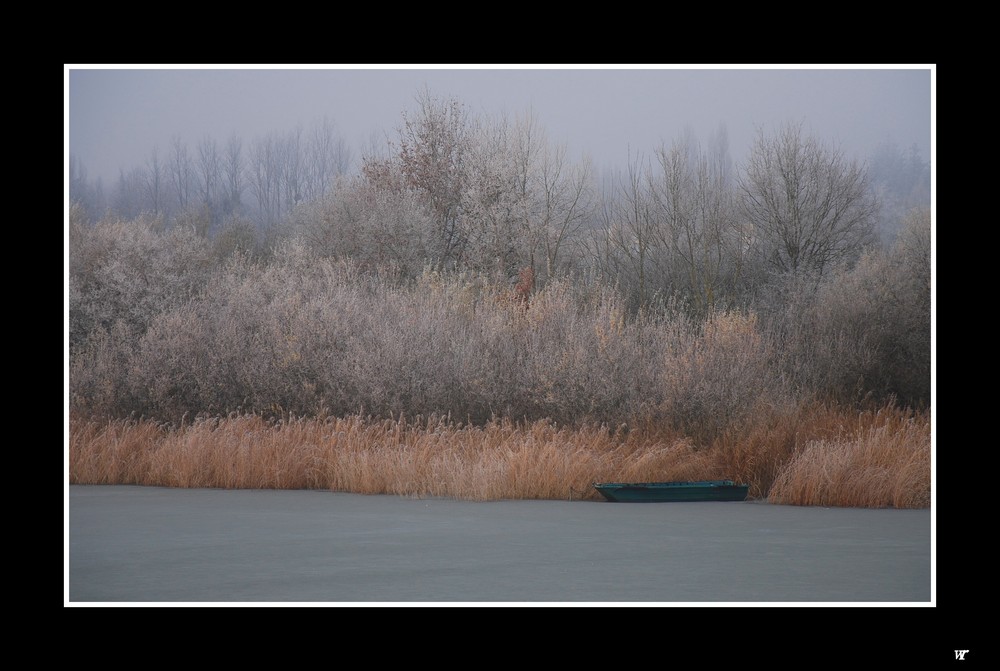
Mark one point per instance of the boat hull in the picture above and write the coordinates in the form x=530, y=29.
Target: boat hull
x=660, y=492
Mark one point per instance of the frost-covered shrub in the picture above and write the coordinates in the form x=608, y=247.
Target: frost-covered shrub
x=376, y=228
x=864, y=333
x=300, y=332
x=719, y=373
x=125, y=271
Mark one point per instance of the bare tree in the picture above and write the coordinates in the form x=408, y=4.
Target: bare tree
x=673, y=192
x=81, y=192
x=630, y=228
x=129, y=193
x=154, y=178
x=566, y=194
x=698, y=227
x=289, y=150
x=209, y=171
x=735, y=233
x=326, y=157
x=265, y=177
x=233, y=169
x=810, y=207
x=180, y=171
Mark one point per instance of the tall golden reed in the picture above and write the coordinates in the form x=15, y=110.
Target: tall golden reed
x=816, y=456
x=435, y=457
x=885, y=461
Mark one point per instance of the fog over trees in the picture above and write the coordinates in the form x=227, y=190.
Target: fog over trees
x=284, y=272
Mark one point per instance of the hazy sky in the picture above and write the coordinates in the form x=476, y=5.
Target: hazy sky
x=116, y=114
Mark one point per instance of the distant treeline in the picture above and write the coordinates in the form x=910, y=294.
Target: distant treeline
x=472, y=269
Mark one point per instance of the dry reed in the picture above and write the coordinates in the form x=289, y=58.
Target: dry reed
x=885, y=461
x=813, y=457
x=500, y=460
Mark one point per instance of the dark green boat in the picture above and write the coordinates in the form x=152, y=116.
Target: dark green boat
x=658, y=492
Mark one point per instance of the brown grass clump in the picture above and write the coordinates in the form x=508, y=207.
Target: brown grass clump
x=111, y=453
x=885, y=462
x=756, y=451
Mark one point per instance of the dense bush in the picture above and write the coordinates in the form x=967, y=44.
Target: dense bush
x=129, y=272
x=864, y=333
x=158, y=330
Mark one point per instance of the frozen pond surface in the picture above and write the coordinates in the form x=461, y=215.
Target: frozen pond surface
x=151, y=544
